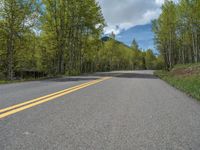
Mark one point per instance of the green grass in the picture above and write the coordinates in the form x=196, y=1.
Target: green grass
x=189, y=84
x=184, y=66
x=22, y=80
x=3, y=81
x=37, y=79
x=16, y=81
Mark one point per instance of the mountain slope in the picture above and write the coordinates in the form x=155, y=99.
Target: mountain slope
x=142, y=33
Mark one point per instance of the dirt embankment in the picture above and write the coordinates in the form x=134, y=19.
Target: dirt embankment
x=186, y=71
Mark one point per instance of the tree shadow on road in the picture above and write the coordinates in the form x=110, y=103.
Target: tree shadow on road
x=128, y=75
x=72, y=79
x=95, y=76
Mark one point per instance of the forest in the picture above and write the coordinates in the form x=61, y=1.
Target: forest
x=177, y=32
x=65, y=37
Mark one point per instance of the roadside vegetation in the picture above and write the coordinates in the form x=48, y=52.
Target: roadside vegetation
x=50, y=37
x=177, y=37
x=184, y=77
x=177, y=32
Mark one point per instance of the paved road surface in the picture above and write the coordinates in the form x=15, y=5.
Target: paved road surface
x=130, y=111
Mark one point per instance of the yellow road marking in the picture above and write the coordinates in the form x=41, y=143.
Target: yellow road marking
x=22, y=106
x=40, y=98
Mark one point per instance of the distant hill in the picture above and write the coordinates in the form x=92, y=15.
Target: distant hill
x=107, y=38
x=142, y=33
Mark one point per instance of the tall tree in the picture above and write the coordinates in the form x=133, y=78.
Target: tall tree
x=134, y=45
x=17, y=17
x=69, y=26
x=177, y=32
x=165, y=33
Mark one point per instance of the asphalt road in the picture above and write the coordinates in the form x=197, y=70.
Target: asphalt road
x=130, y=111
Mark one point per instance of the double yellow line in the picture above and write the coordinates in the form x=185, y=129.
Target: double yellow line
x=31, y=103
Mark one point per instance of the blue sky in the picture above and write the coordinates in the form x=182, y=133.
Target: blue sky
x=123, y=14
x=130, y=19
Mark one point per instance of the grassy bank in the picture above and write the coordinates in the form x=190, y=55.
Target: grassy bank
x=17, y=81
x=41, y=78
x=24, y=80
x=184, y=77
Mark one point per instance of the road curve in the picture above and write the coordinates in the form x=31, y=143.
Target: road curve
x=132, y=110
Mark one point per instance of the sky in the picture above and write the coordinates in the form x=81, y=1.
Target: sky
x=123, y=14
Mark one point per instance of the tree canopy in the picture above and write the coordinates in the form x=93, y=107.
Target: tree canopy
x=61, y=37
x=177, y=32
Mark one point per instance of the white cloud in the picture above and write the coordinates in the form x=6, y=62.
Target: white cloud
x=109, y=29
x=117, y=28
x=150, y=15
x=159, y=2
x=123, y=14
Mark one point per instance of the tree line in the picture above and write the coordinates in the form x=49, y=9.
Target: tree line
x=177, y=32
x=61, y=37
x=51, y=36
x=118, y=56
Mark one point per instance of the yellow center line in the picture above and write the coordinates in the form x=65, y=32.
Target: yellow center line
x=43, y=97
x=22, y=106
